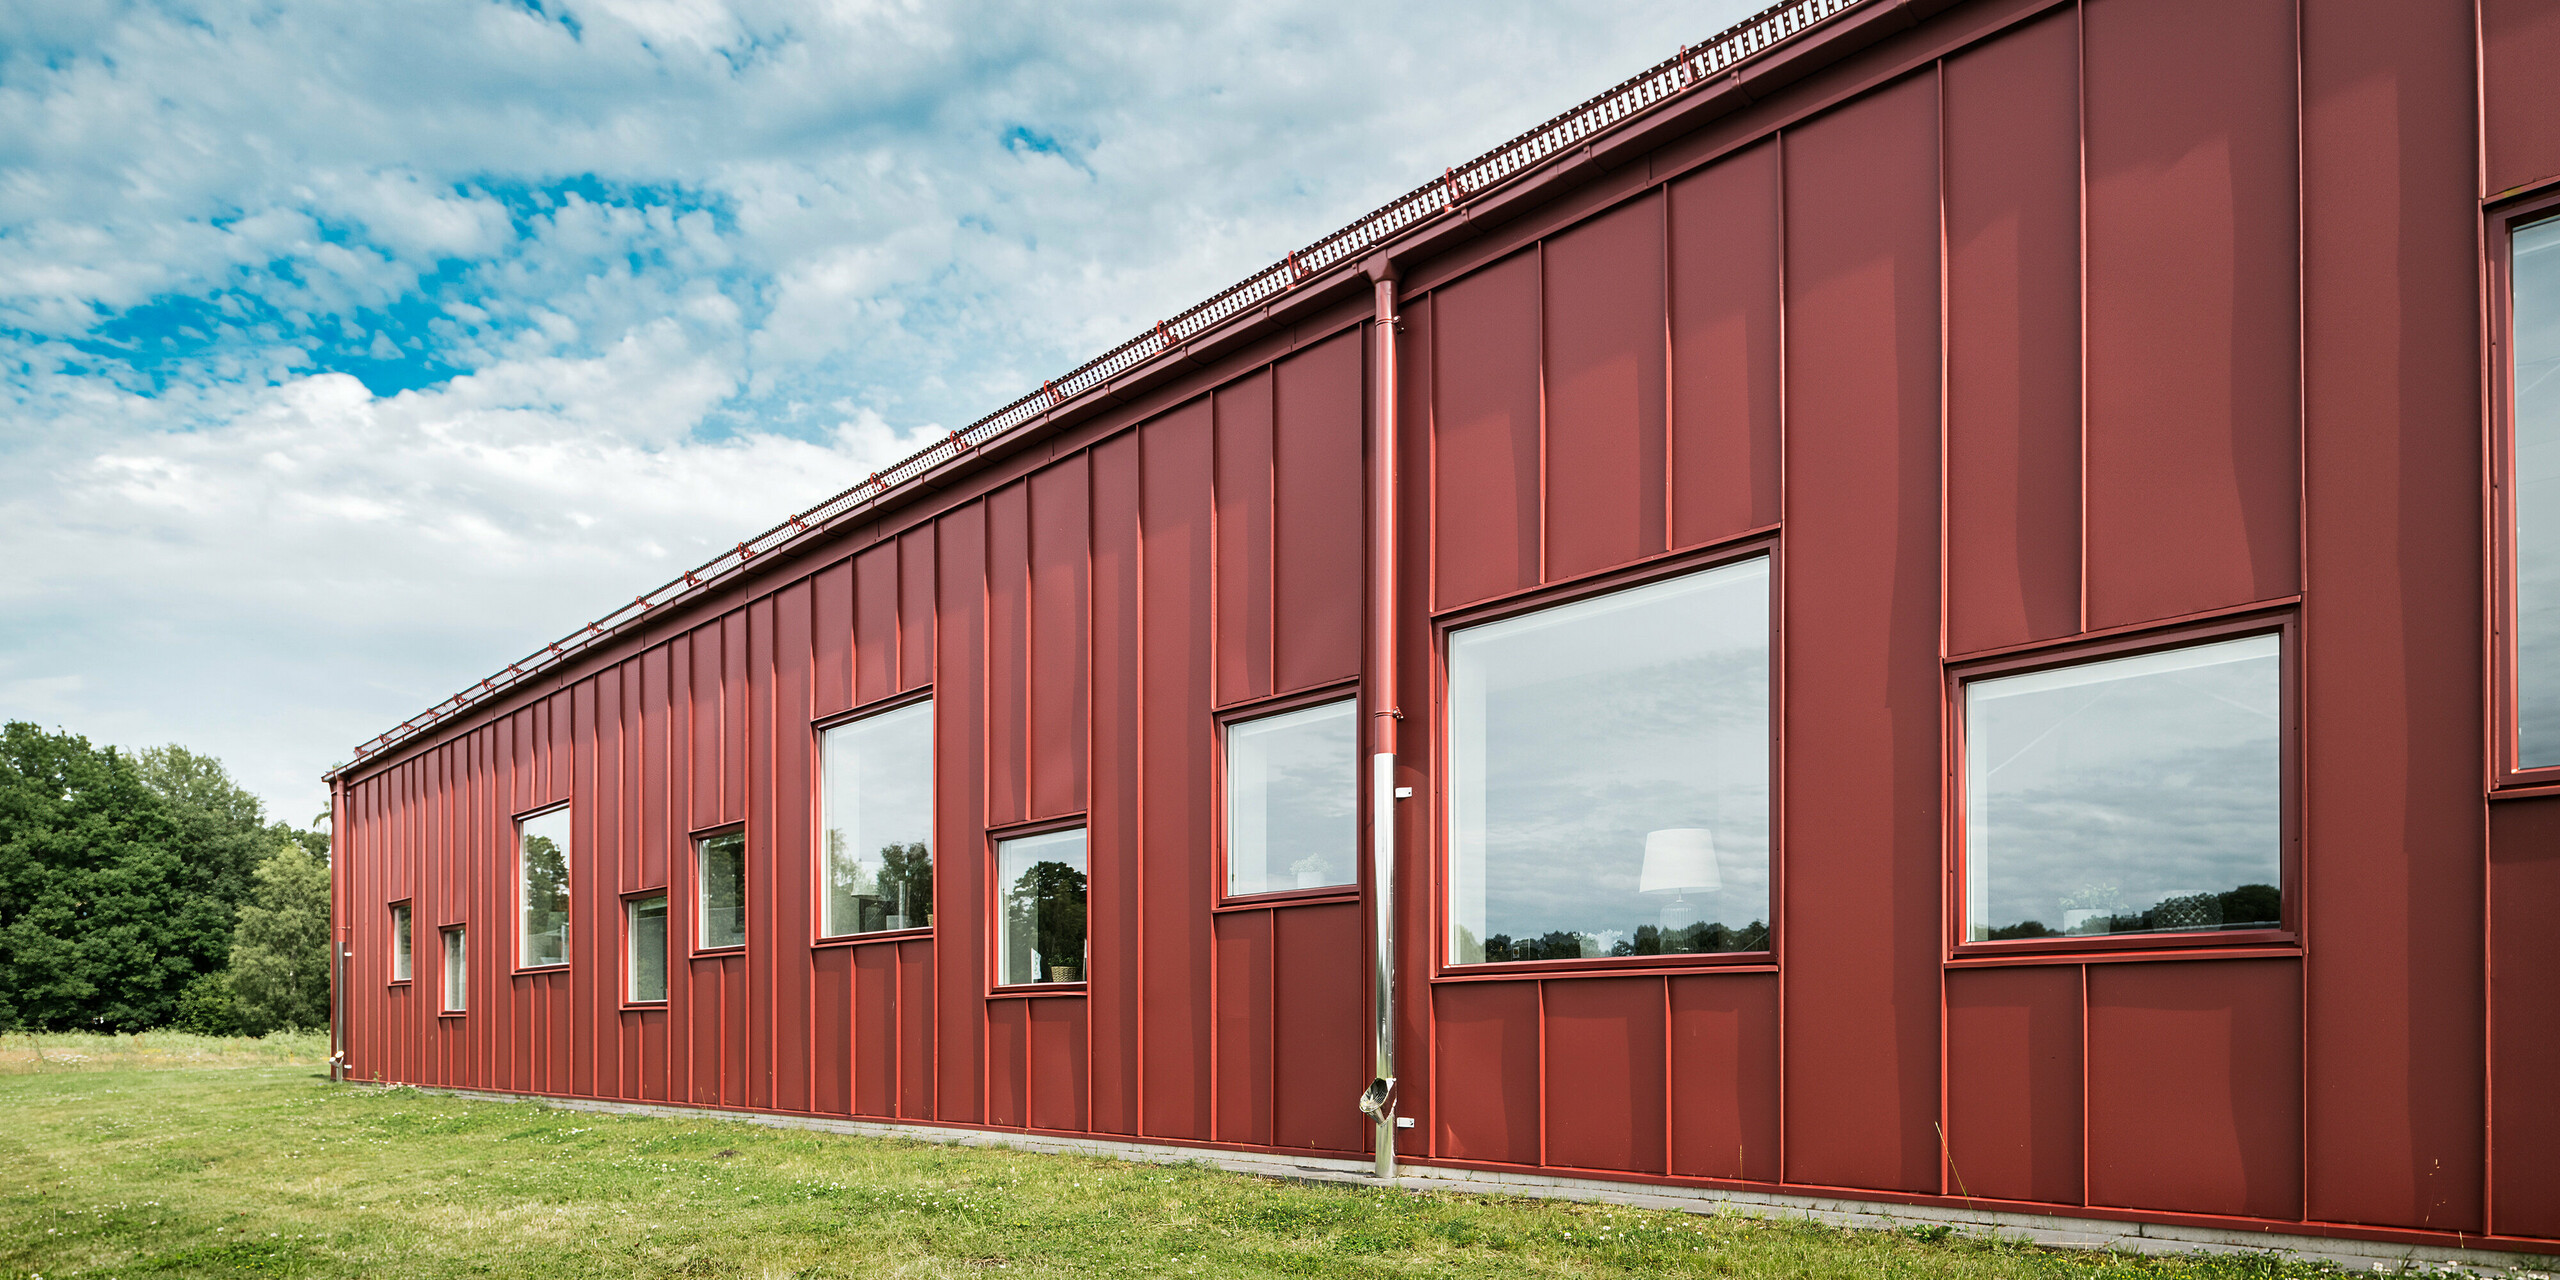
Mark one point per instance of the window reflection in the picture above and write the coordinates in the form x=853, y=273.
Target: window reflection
x=647, y=930
x=722, y=890
x=876, y=786
x=457, y=972
x=543, y=869
x=1610, y=774
x=2133, y=795
x=1291, y=779
x=1041, y=886
x=2537, y=492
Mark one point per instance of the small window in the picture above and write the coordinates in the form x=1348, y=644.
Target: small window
x=457, y=972
x=1609, y=774
x=2535, y=412
x=542, y=860
x=1291, y=783
x=720, y=864
x=2137, y=795
x=876, y=789
x=1041, y=883
x=645, y=925
x=399, y=942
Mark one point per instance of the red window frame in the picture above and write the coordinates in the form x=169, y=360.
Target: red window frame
x=1538, y=599
x=818, y=935
x=2285, y=625
x=391, y=911
x=1264, y=708
x=2505, y=766
x=515, y=912
x=991, y=952
x=694, y=904
x=630, y=896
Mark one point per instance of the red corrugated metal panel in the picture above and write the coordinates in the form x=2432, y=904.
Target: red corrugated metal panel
x=1008, y=1062
x=961, y=878
x=872, y=1045
x=2392, y=631
x=915, y=607
x=1059, y=1063
x=2193, y=474
x=1243, y=601
x=1723, y=261
x=1061, y=545
x=1320, y=974
x=2195, y=1087
x=1485, y=429
x=1860, y=599
x=1174, y=780
x=1607, y=1074
x=875, y=623
x=2524, y=1016
x=2014, y=1107
x=831, y=640
x=1008, y=670
x=784, y=798
x=1485, y=1095
x=1244, y=1048
x=2519, y=45
x=831, y=1023
x=1317, y=513
x=2013, y=338
x=918, y=1050
x=1724, y=1076
x=1603, y=336
x=1417, y=1053
x=1111, y=841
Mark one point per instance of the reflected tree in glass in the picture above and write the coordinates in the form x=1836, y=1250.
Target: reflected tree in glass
x=1609, y=789
x=723, y=862
x=876, y=825
x=2537, y=492
x=2132, y=795
x=1291, y=785
x=1041, y=935
x=543, y=870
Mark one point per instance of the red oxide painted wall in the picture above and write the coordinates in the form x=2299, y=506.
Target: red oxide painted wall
x=2036, y=322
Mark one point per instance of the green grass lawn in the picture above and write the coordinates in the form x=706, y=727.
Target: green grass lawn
x=167, y=1155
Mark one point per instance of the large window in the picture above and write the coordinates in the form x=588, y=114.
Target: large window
x=399, y=942
x=2535, y=410
x=1040, y=898
x=1291, y=782
x=720, y=890
x=645, y=929
x=542, y=869
x=457, y=972
x=876, y=824
x=2134, y=795
x=1609, y=783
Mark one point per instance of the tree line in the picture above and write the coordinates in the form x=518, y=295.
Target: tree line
x=147, y=889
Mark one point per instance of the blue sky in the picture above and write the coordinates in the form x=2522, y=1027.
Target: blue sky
x=348, y=352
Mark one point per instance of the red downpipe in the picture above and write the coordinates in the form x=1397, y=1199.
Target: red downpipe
x=1378, y=1102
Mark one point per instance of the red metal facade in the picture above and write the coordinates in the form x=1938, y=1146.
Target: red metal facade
x=2030, y=325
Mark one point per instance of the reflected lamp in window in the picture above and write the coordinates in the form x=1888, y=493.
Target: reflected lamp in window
x=2135, y=795
x=542, y=870
x=2535, y=558
x=875, y=826
x=399, y=942
x=1609, y=779
x=1040, y=902
x=457, y=972
x=720, y=890
x=1291, y=783
x=645, y=926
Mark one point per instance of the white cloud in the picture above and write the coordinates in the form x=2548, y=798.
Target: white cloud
x=628, y=279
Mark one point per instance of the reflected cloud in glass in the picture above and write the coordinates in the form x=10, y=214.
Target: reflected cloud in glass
x=1585, y=734
x=1291, y=779
x=876, y=837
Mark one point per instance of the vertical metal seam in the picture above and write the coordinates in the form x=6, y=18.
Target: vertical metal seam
x=1946, y=808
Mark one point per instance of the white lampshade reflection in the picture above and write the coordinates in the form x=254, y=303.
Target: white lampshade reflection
x=1680, y=860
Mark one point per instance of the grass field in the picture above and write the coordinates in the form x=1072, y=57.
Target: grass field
x=182, y=1156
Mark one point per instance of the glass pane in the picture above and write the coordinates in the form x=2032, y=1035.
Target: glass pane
x=2137, y=795
x=723, y=884
x=455, y=971
x=876, y=788
x=400, y=943
x=649, y=948
x=1291, y=781
x=544, y=860
x=2537, y=492
x=1041, y=935
x=1610, y=774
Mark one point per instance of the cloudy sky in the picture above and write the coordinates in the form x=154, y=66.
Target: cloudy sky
x=348, y=352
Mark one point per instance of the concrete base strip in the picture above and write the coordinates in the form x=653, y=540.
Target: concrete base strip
x=2052, y=1230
